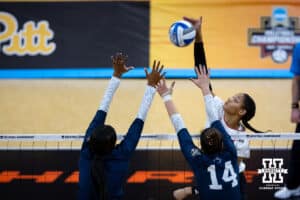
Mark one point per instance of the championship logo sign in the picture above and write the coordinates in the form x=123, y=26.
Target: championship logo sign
x=276, y=36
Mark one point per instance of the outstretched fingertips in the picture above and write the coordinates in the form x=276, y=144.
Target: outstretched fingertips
x=130, y=68
x=154, y=63
x=163, y=75
x=146, y=71
x=197, y=70
x=201, y=69
x=161, y=68
x=172, y=84
x=157, y=66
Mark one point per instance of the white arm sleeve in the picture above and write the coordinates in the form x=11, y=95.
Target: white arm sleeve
x=219, y=108
x=109, y=93
x=219, y=103
x=146, y=102
x=177, y=122
x=211, y=109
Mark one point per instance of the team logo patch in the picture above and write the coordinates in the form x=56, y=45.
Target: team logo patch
x=195, y=152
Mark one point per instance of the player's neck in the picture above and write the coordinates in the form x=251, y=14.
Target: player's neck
x=232, y=121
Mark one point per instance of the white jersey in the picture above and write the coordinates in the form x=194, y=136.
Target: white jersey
x=215, y=105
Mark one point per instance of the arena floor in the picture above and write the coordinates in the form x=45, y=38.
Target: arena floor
x=59, y=106
x=68, y=105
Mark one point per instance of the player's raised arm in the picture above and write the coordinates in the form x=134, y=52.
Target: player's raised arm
x=202, y=81
x=98, y=133
x=128, y=144
x=119, y=68
x=185, y=140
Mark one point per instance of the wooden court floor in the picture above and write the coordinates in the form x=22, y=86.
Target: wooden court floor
x=68, y=105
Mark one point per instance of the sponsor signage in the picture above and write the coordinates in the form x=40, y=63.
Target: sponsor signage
x=153, y=174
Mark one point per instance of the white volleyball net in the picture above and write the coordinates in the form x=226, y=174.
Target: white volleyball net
x=42, y=164
x=73, y=141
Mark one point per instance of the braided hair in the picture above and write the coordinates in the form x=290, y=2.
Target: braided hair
x=101, y=143
x=249, y=106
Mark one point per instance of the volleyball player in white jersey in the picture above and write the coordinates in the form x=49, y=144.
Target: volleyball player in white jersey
x=234, y=115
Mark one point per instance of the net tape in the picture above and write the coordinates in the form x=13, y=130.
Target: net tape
x=167, y=136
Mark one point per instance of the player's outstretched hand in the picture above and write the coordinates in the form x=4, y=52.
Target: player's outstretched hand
x=162, y=88
x=119, y=64
x=156, y=74
x=202, y=80
x=195, y=22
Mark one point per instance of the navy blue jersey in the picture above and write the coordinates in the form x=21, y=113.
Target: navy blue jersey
x=116, y=164
x=216, y=175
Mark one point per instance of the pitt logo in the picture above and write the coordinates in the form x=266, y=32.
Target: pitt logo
x=32, y=40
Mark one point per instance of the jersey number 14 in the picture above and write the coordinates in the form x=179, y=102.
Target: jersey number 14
x=228, y=176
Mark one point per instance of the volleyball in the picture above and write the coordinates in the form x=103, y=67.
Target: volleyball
x=182, y=33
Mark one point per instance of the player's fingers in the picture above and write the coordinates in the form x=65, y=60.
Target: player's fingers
x=205, y=70
x=154, y=63
x=146, y=72
x=208, y=72
x=130, y=68
x=157, y=66
x=172, y=85
x=201, y=69
x=193, y=80
x=163, y=75
x=160, y=82
x=197, y=69
x=161, y=68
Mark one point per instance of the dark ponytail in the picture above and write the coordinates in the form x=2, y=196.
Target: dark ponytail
x=98, y=178
x=249, y=106
x=101, y=143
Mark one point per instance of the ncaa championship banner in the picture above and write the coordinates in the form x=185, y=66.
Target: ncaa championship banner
x=65, y=39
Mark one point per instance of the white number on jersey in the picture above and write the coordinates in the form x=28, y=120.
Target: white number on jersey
x=228, y=176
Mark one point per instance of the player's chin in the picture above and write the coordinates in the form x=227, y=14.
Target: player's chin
x=226, y=106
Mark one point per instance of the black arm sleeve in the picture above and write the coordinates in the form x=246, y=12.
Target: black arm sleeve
x=199, y=54
x=200, y=58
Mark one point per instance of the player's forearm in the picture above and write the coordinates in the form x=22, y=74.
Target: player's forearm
x=170, y=106
x=146, y=102
x=109, y=93
x=175, y=117
x=199, y=37
x=199, y=54
x=210, y=108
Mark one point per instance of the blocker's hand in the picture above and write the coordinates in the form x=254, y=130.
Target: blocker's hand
x=156, y=74
x=119, y=64
x=162, y=88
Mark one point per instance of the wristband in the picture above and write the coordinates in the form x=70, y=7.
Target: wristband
x=295, y=105
x=166, y=93
x=167, y=97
